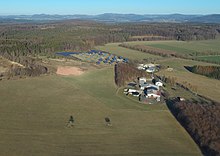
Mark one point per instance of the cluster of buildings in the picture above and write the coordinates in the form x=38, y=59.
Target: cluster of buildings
x=149, y=68
x=145, y=90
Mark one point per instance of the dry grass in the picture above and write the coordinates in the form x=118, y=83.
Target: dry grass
x=4, y=65
x=34, y=113
x=206, y=86
x=128, y=53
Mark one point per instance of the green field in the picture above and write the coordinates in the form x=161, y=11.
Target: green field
x=34, y=113
x=214, y=59
x=128, y=53
x=184, y=47
x=197, y=49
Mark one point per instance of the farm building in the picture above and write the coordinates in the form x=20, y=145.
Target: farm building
x=153, y=87
x=157, y=82
x=152, y=92
x=143, y=85
x=150, y=68
x=142, y=80
x=147, y=92
x=132, y=84
x=136, y=94
x=153, y=95
x=140, y=67
x=130, y=90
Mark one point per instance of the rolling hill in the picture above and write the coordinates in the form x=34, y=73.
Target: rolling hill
x=114, y=18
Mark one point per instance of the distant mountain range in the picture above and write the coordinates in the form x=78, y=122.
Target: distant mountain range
x=115, y=18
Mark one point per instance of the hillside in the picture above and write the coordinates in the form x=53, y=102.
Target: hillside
x=117, y=18
x=43, y=106
x=206, y=86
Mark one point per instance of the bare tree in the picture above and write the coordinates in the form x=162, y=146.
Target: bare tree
x=108, y=121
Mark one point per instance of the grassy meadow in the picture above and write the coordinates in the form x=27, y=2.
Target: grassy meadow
x=197, y=49
x=206, y=86
x=186, y=47
x=34, y=112
x=128, y=53
x=213, y=58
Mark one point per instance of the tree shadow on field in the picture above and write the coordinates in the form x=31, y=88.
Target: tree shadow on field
x=188, y=68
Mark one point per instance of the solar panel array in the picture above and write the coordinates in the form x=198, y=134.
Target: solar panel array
x=95, y=56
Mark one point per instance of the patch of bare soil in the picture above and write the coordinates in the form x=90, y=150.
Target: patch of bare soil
x=16, y=63
x=67, y=70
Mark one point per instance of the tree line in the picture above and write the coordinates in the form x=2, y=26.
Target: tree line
x=209, y=71
x=201, y=119
x=18, y=41
x=168, y=53
x=153, y=50
x=45, y=39
x=124, y=73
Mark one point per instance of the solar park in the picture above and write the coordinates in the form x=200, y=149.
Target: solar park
x=95, y=56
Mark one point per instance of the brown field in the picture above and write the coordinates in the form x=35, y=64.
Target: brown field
x=67, y=70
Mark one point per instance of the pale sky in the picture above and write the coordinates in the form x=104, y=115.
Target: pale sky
x=11, y=7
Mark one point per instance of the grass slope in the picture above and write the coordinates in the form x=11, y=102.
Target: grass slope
x=184, y=46
x=214, y=58
x=197, y=49
x=34, y=112
x=206, y=86
x=128, y=53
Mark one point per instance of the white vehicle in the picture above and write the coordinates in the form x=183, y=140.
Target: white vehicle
x=159, y=84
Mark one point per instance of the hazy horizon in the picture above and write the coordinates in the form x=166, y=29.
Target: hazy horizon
x=103, y=13
x=95, y=7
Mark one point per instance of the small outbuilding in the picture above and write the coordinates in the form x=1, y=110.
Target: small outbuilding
x=159, y=84
x=142, y=80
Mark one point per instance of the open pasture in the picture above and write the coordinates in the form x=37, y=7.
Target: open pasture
x=188, y=47
x=34, y=113
x=206, y=86
x=204, y=50
x=211, y=58
x=113, y=48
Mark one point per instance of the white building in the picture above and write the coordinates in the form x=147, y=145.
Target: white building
x=151, y=69
x=142, y=80
x=143, y=85
x=153, y=95
x=130, y=90
x=152, y=87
